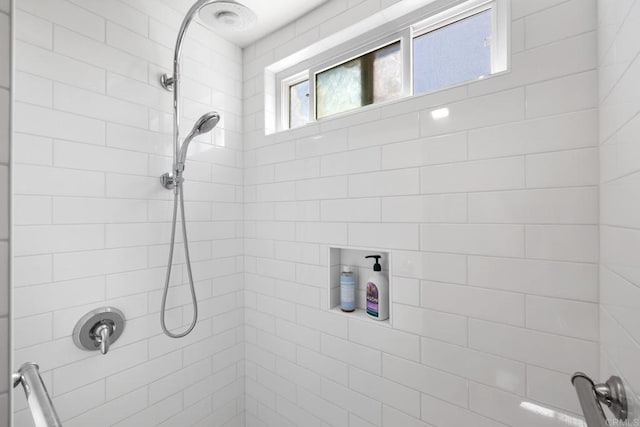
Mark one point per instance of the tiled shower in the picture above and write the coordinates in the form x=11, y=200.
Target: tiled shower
x=510, y=225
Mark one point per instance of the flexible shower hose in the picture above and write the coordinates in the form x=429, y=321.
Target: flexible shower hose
x=178, y=194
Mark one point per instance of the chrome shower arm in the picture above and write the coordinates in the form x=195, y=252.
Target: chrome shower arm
x=168, y=82
x=172, y=83
x=183, y=29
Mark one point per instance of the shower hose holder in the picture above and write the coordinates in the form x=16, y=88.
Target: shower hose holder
x=170, y=181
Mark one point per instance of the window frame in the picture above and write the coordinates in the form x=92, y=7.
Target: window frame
x=405, y=33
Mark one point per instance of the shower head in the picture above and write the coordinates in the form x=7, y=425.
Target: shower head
x=227, y=15
x=216, y=14
x=205, y=124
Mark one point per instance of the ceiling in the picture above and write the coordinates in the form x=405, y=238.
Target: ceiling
x=272, y=14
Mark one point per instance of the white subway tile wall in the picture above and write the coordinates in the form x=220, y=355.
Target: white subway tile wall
x=619, y=100
x=5, y=109
x=491, y=215
x=93, y=134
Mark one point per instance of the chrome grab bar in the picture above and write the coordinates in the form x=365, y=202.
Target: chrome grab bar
x=42, y=410
x=591, y=396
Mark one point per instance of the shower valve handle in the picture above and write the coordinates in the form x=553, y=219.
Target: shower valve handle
x=99, y=329
x=103, y=333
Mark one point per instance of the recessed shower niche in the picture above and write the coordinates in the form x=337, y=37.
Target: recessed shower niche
x=362, y=269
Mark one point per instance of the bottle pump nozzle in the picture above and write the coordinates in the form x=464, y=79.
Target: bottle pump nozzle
x=376, y=266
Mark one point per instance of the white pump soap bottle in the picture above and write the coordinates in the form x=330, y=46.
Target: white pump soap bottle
x=377, y=292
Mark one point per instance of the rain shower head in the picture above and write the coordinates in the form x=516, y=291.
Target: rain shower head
x=204, y=124
x=219, y=15
x=227, y=15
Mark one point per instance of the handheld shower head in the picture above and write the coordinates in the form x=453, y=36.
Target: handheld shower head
x=205, y=124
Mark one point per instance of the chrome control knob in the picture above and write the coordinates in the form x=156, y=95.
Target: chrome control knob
x=102, y=334
x=98, y=329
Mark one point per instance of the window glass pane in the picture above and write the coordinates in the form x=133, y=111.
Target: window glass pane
x=387, y=73
x=453, y=54
x=298, y=104
x=339, y=89
x=374, y=77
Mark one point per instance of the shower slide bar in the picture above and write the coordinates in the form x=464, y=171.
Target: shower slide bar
x=592, y=396
x=42, y=410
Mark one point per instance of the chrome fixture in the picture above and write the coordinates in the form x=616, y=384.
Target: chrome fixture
x=223, y=14
x=40, y=405
x=205, y=124
x=229, y=15
x=98, y=329
x=592, y=396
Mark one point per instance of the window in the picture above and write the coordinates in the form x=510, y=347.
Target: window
x=299, y=103
x=464, y=43
x=455, y=53
x=370, y=78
